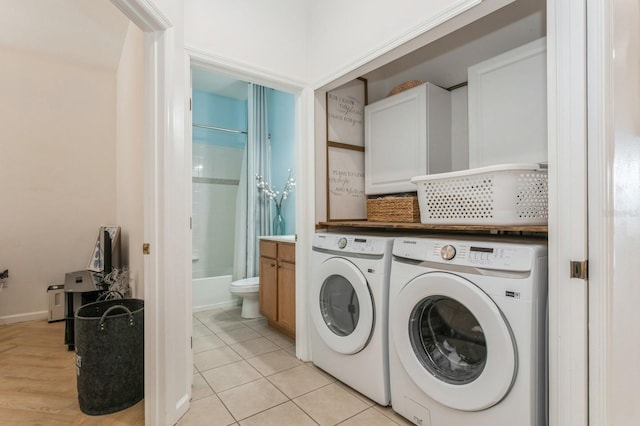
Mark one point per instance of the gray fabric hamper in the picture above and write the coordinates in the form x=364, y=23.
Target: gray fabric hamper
x=109, y=344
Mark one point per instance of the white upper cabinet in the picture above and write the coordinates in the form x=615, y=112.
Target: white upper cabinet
x=406, y=135
x=508, y=107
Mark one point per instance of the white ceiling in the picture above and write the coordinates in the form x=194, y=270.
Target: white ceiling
x=219, y=84
x=445, y=61
x=90, y=32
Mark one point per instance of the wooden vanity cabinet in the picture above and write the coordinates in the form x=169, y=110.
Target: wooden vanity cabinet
x=278, y=285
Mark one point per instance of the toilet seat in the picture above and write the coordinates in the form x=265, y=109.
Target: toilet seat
x=246, y=285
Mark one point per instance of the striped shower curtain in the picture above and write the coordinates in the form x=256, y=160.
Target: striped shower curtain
x=253, y=211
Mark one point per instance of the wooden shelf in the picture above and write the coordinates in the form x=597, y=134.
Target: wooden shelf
x=541, y=229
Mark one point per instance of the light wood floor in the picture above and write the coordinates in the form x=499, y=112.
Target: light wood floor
x=38, y=380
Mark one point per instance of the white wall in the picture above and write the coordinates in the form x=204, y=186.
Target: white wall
x=347, y=35
x=58, y=173
x=281, y=107
x=268, y=36
x=347, y=32
x=130, y=156
x=459, y=129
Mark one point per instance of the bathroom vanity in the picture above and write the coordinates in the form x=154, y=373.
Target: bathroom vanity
x=278, y=283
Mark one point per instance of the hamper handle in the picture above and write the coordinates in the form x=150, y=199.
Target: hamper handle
x=102, y=325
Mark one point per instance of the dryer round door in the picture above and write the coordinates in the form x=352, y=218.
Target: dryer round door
x=453, y=341
x=341, y=308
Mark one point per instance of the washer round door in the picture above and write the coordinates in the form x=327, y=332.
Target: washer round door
x=453, y=341
x=342, y=308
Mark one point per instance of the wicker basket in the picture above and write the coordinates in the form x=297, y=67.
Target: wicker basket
x=405, y=86
x=393, y=209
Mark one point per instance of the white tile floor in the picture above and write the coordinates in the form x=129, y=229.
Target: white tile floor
x=246, y=373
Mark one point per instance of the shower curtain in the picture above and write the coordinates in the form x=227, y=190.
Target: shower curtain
x=253, y=211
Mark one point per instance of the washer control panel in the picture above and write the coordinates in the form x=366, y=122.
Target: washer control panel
x=480, y=254
x=355, y=244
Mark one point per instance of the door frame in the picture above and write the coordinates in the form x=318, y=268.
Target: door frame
x=569, y=344
x=568, y=225
x=601, y=42
x=158, y=134
x=304, y=205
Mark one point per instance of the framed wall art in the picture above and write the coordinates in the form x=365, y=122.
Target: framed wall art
x=345, y=113
x=345, y=151
x=345, y=183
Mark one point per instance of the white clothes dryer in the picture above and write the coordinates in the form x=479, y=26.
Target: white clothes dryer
x=467, y=324
x=348, y=306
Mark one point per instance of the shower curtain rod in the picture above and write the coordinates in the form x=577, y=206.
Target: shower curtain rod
x=222, y=129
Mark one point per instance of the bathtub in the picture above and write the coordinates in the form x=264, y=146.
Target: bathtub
x=212, y=292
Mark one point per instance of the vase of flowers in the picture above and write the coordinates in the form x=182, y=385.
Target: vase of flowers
x=278, y=223
x=278, y=198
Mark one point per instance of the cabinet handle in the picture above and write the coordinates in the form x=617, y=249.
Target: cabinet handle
x=273, y=264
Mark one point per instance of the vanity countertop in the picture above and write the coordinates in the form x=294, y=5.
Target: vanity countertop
x=279, y=238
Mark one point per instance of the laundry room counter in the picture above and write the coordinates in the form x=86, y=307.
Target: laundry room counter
x=535, y=229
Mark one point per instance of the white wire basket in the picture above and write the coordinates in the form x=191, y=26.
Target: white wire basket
x=505, y=195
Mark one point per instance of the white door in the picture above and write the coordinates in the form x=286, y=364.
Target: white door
x=453, y=341
x=613, y=44
x=342, y=308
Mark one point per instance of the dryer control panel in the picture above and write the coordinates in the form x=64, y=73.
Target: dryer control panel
x=355, y=244
x=477, y=254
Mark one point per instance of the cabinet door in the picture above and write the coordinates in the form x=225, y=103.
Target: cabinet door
x=268, y=248
x=508, y=107
x=268, y=288
x=395, y=142
x=407, y=135
x=287, y=252
x=287, y=296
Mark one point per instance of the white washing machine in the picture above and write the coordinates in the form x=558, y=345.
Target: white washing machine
x=348, y=305
x=467, y=325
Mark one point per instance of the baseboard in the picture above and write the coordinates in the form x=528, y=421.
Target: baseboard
x=31, y=316
x=224, y=304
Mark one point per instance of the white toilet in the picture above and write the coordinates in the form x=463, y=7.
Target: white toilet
x=247, y=288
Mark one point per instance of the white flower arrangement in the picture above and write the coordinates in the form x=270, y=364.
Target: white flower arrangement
x=272, y=193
